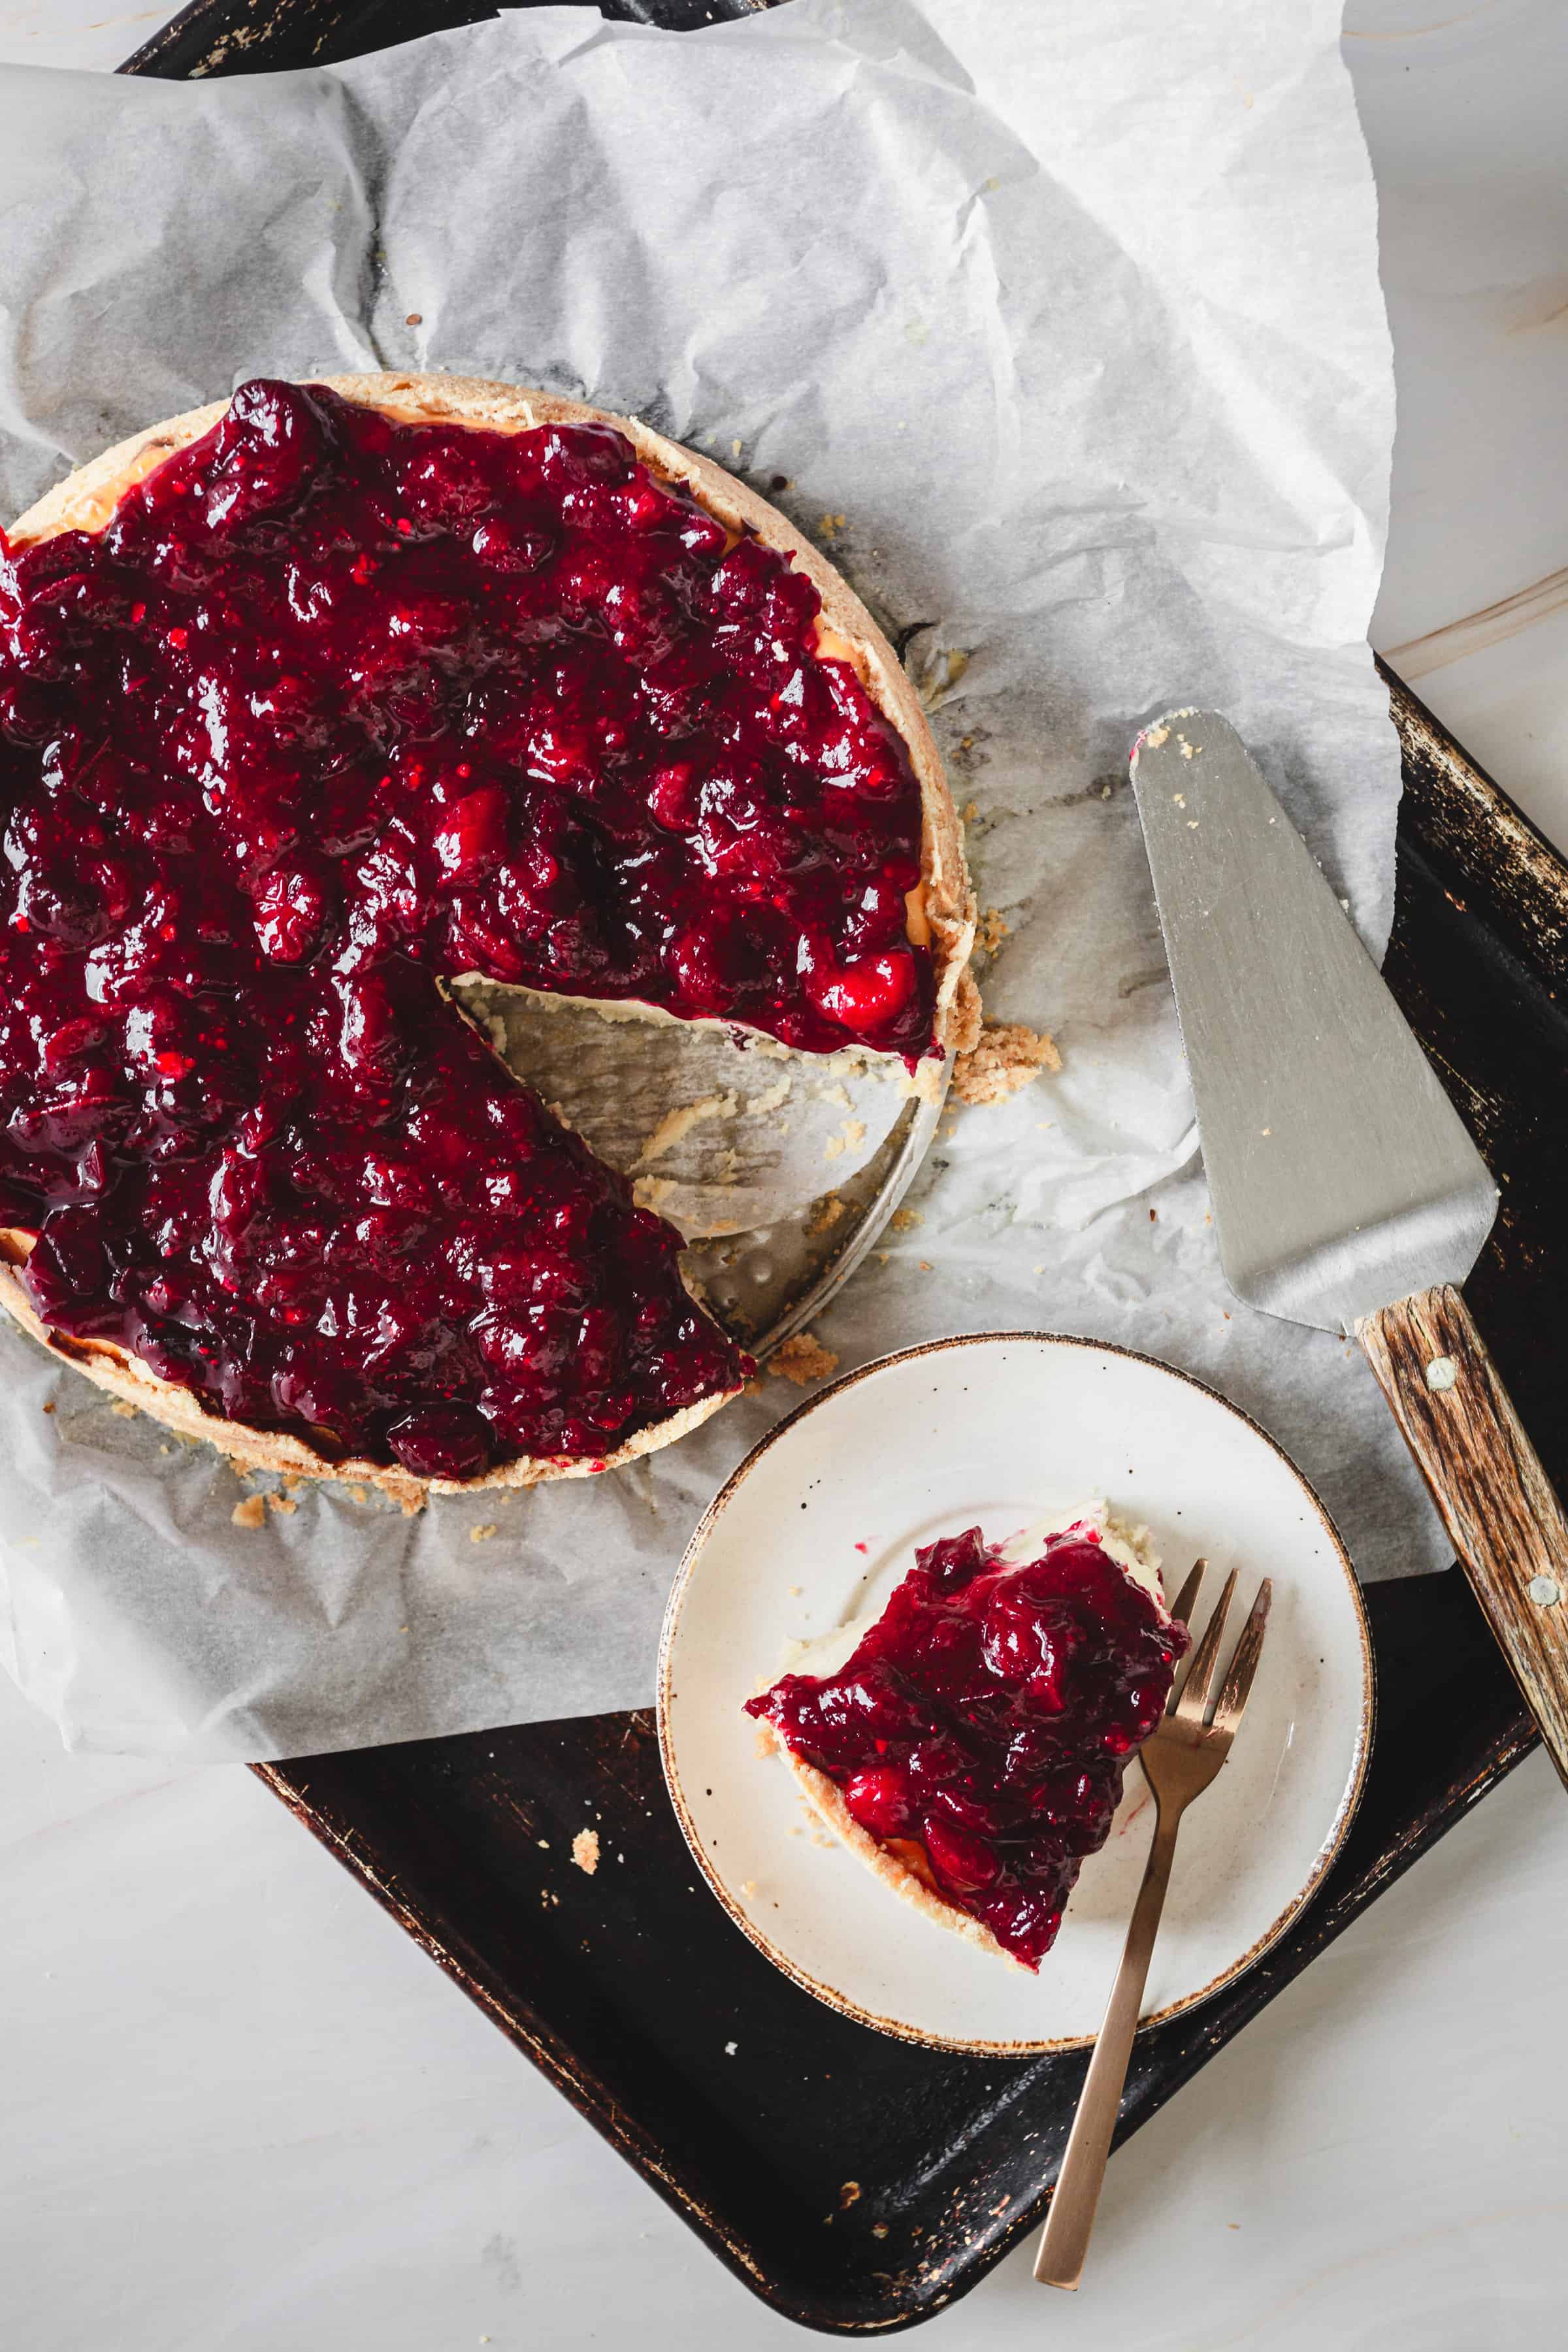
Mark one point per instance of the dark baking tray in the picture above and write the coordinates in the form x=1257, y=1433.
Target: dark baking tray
x=626, y=1988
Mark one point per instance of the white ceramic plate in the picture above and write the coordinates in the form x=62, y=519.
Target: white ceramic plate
x=995, y=1429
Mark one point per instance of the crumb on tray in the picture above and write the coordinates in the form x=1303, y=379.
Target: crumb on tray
x=250, y=1513
x=585, y=1851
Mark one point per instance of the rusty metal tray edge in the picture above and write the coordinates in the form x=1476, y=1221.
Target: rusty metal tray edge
x=1461, y=838
x=1453, y=811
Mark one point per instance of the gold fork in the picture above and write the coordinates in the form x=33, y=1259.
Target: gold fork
x=1185, y=1753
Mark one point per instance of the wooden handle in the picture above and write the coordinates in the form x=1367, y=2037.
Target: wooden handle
x=1487, y=1480
x=1064, y=2240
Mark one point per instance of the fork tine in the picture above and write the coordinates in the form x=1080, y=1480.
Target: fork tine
x=1243, y=1665
x=1204, y=1672
x=1186, y=1600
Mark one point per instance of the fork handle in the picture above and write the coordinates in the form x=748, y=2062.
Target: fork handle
x=1064, y=2240
x=1497, y=1502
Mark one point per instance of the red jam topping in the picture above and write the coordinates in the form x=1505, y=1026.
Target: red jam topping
x=335, y=708
x=981, y=1727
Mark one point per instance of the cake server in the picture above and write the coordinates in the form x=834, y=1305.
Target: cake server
x=1347, y=1193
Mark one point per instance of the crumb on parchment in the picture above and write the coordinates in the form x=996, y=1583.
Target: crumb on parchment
x=585, y=1851
x=854, y=1135
x=829, y=1211
x=676, y=1125
x=482, y=1533
x=283, y=1503
x=1007, y=1055
x=903, y=1220
x=802, y=1359
x=990, y=931
x=250, y=1513
x=125, y=1408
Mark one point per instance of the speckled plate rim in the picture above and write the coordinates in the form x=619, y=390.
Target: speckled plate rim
x=897, y=2028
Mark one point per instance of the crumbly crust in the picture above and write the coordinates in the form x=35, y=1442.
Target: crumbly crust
x=1004, y=1058
x=826, y=1802
x=128, y=1378
x=86, y=501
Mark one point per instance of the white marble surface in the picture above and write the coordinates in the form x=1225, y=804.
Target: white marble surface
x=243, y=2111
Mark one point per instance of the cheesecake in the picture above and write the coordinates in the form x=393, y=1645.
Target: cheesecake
x=317, y=702
x=967, y=1742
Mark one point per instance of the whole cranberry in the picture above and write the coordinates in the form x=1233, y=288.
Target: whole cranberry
x=962, y=1858
x=867, y=996
x=291, y=905
x=272, y=441
x=880, y=1801
x=470, y=839
x=441, y=1441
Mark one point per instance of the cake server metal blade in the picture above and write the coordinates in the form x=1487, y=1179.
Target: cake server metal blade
x=1346, y=1191
x=1341, y=1176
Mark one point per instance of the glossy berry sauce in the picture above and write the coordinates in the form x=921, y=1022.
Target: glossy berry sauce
x=981, y=1726
x=335, y=708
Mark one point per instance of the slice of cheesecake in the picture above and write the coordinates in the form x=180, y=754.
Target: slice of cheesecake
x=970, y=1750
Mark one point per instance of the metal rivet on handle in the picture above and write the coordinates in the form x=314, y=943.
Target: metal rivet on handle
x=1441, y=1373
x=1545, y=1591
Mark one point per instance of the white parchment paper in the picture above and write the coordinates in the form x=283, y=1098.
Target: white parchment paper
x=1064, y=328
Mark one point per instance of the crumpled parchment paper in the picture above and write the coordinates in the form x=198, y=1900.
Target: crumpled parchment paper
x=1061, y=325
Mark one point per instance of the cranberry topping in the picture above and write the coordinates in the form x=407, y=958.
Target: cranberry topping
x=333, y=708
x=980, y=1728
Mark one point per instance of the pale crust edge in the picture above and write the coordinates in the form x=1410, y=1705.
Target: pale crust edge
x=827, y=1802
x=109, y=1367
x=85, y=501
